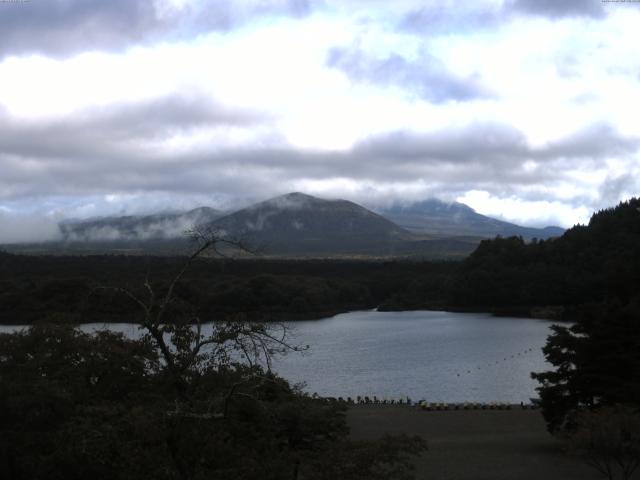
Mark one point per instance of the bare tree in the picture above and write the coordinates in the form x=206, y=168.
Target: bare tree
x=192, y=353
x=175, y=328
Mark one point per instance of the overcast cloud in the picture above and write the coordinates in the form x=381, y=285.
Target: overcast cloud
x=426, y=76
x=523, y=109
x=564, y=8
x=65, y=27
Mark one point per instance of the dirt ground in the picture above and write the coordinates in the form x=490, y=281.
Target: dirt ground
x=475, y=444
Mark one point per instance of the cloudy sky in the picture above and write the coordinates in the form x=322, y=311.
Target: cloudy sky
x=525, y=110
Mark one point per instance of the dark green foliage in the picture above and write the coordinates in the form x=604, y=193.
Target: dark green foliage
x=66, y=288
x=597, y=359
x=587, y=264
x=54, y=377
x=592, y=274
x=176, y=404
x=597, y=362
x=78, y=406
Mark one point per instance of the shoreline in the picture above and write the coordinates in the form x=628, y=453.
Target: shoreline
x=541, y=312
x=276, y=317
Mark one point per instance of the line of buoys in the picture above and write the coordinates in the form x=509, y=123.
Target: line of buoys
x=497, y=362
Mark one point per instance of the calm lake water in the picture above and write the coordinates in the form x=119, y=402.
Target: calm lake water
x=438, y=356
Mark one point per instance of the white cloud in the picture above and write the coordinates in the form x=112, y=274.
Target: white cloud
x=536, y=213
x=550, y=73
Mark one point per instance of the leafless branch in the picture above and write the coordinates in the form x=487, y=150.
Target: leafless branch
x=181, y=341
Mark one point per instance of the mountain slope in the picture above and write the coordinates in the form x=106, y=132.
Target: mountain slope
x=298, y=225
x=160, y=226
x=302, y=224
x=456, y=219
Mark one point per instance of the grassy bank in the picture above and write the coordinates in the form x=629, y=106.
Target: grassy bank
x=474, y=444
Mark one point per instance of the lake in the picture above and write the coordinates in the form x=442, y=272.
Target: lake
x=438, y=356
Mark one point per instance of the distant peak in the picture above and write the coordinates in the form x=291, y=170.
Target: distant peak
x=293, y=200
x=429, y=205
x=202, y=210
x=297, y=195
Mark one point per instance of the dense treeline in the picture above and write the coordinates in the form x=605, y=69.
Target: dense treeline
x=597, y=364
x=592, y=263
x=174, y=404
x=593, y=272
x=34, y=288
x=554, y=278
x=78, y=406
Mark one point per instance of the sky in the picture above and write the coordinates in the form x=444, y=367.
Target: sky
x=525, y=110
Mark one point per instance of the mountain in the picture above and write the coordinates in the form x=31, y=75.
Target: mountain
x=297, y=225
x=159, y=226
x=456, y=219
x=301, y=224
x=294, y=224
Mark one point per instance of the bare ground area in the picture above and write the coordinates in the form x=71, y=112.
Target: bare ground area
x=475, y=444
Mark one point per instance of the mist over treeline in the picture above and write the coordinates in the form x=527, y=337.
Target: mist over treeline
x=28, y=228
x=427, y=217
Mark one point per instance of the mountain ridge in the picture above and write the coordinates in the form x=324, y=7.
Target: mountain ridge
x=136, y=227
x=457, y=219
x=301, y=225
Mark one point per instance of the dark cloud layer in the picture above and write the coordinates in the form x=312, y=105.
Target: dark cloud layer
x=59, y=26
x=115, y=150
x=599, y=140
x=615, y=185
x=560, y=8
x=107, y=148
x=63, y=27
x=428, y=77
x=124, y=148
x=100, y=133
x=494, y=157
x=438, y=19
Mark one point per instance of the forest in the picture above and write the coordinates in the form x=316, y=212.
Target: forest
x=153, y=409
x=37, y=288
x=174, y=404
x=592, y=273
x=557, y=277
